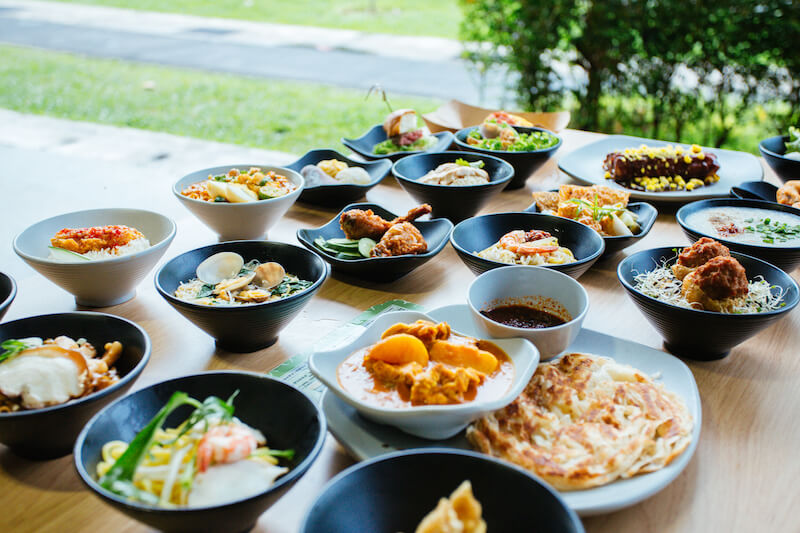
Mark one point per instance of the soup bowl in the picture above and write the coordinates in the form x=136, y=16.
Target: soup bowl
x=102, y=282
x=535, y=287
x=243, y=328
x=286, y=416
x=450, y=201
x=51, y=431
x=374, y=505
x=697, y=334
x=239, y=221
x=784, y=256
x=774, y=149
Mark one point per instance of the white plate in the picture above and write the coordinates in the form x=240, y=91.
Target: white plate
x=427, y=421
x=364, y=439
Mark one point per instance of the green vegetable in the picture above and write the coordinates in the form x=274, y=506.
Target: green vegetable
x=290, y=286
x=206, y=290
x=13, y=347
x=525, y=142
x=346, y=248
x=285, y=454
x=389, y=147
x=66, y=254
x=221, y=177
x=774, y=231
x=793, y=144
x=220, y=199
x=474, y=164
x=365, y=246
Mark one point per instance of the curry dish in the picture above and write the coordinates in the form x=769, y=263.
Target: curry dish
x=426, y=364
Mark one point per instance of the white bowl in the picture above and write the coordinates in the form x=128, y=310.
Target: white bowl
x=520, y=284
x=242, y=221
x=97, y=283
x=433, y=422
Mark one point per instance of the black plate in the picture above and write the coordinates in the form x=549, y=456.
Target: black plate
x=244, y=328
x=364, y=145
x=8, y=291
x=51, y=431
x=452, y=202
x=756, y=190
x=478, y=233
x=395, y=492
x=773, y=149
x=703, y=335
x=784, y=257
x=338, y=195
x=524, y=163
x=380, y=269
x=646, y=215
x=586, y=166
x=286, y=416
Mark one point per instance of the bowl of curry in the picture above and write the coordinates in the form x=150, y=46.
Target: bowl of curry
x=409, y=371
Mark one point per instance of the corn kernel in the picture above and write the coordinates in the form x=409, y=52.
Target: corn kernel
x=687, y=159
x=696, y=149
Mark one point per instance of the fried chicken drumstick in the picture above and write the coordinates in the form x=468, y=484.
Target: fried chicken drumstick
x=358, y=224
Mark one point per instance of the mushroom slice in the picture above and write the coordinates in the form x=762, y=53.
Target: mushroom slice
x=234, y=284
x=220, y=267
x=269, y=275
x=47, y=375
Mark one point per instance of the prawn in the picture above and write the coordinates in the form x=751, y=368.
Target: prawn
x=225, y=444
x=527, y=243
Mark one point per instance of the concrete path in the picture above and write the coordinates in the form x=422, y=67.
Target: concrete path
x=422, y=66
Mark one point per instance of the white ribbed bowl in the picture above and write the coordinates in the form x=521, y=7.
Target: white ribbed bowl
x=244, y=221
x=98, y=283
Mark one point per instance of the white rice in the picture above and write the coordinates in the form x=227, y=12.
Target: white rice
x=132, y=247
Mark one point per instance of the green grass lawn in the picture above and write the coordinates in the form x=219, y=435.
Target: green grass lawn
x=402, y=17
x=276, y=115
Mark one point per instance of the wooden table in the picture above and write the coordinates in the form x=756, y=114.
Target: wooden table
x=742, y=477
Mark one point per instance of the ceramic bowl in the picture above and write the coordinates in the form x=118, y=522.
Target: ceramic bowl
x=286, y=416
x=363, y=145
x=380, y=269
x=773, y=149
x=756, y=190
x=646, y=215
x=524, y=163
x=433, y=422
x=98, y=283
x=520, y=285
x=248, y=220
x=8, y=291
x=784, y=257
x=345, y=193
x=374, y=505
x=703, y=335
x=243, y=328
x=51, y=431
x=478, y=233
x=452, y=202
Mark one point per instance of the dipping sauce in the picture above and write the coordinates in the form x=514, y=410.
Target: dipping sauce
x=523, y=316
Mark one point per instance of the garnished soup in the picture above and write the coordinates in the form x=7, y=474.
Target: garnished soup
x=747, y=225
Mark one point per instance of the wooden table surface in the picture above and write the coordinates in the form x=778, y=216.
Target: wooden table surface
x=742, y=477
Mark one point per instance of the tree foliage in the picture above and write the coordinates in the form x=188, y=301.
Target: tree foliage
x=651, y=66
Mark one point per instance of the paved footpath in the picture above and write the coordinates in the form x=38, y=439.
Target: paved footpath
x=425, y=66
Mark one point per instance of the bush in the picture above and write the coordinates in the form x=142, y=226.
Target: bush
x=689, y=70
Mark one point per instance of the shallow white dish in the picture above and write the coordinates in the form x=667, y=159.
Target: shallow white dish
x=242, y=221
x=434, y=422
x=364, y=440
x=103, y=282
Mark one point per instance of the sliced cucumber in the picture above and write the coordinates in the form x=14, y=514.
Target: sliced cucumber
x=342, y=255
x=343, y=242
x=66, y=255
x=365, y=246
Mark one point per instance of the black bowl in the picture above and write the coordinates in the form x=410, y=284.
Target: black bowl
x=364, y=145
x=51, y=431
x=773, y=149
x=646, y=215
x=478, y=233
x=452, y=202
x=338, y=195
x=286, y=416
x=388, y=494
x=756, y=190
x=524, y=163
x=8, y=291
x=380, y=269
x=703, y=335
x=244, y=328
x=784, y=257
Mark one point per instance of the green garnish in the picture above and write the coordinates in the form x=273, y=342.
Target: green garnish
x=772, y=231
x=474, y=164
x=289, y=286
x=67, y=254
x=285, y=454
x=599, y=212
x=206, y=290
x=525, y=142
x=220, y=199
x=346, y=248
x=13, y=347
x=793, y=144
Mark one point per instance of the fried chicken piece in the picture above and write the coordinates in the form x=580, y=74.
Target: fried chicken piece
x=82, y=240
x=698, y=254
x=716, y=284
x=358, y=224
x=400, y=239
